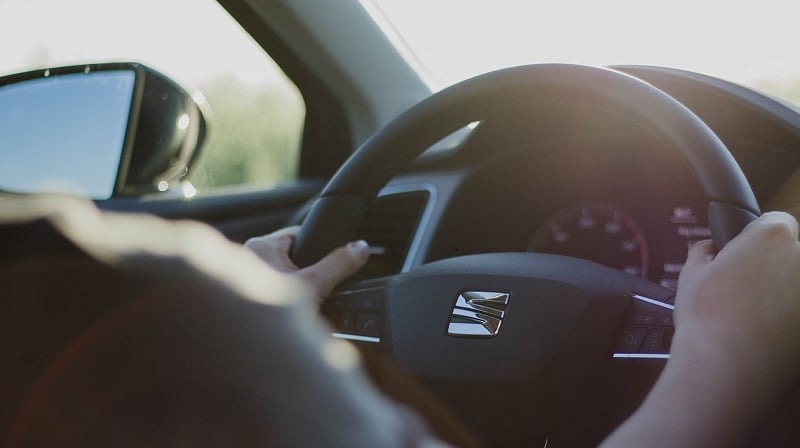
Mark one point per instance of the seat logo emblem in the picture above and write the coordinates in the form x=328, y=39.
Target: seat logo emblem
x=478, y=314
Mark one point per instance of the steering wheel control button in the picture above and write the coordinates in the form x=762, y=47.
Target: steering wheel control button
x=355, y=312
x=648, y=329
x=368, y=325
x=649, y=317
x=366, y=298
x=478, y=314
x=345, y=322
x=631, y=339
x=654, y=342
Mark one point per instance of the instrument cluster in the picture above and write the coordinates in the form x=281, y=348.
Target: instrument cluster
x=613, y=236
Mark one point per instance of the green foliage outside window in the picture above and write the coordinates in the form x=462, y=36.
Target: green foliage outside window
x=254, y=134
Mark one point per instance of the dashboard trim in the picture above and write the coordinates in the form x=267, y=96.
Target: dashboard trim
x=424, y=220
x=642, y=298
x=641, y=355
x=357, y=338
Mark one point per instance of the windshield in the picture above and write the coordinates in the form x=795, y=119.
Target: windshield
x=756, y=44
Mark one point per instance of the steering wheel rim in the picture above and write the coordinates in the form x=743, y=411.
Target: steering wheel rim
x=344, y=201
x=560, y=315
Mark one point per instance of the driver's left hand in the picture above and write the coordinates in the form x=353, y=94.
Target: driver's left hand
x=323, y=275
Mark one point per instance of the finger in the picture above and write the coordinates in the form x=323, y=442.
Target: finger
x=336, y=266
x=772, y=222
x=701, y=253
x=772, y=229
x=273, y=251
x=779, y=223
x=795, y=212
x=274, y=248
x=291, y=231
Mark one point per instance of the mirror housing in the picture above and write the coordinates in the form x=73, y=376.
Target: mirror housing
x=102, y=130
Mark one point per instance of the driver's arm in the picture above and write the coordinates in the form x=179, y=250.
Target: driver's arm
x=737, y=342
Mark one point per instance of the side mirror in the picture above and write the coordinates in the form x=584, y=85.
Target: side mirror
x=99, y=130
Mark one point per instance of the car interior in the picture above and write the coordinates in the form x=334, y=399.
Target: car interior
x=527, y=226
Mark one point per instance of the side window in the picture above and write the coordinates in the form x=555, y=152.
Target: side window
x=254, y=136
x=257, y=113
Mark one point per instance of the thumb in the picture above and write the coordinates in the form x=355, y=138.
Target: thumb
x=336, y=267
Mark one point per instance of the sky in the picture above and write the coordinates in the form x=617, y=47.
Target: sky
x=195, y=40
x=737, y=40
x=191, y=40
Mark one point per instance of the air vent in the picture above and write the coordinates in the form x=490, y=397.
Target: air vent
x=389, y=228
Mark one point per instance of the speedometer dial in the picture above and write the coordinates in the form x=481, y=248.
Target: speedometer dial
x=595, y=231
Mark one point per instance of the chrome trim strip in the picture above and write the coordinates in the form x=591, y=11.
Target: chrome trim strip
x=652, y=301
x=355, y=337
x=424, y=220
x=641, y=355
x=377, y=250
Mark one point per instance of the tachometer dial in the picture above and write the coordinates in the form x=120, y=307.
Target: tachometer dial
x=594, y=231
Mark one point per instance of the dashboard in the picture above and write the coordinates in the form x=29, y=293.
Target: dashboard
x=596, y=185
x=619, y=201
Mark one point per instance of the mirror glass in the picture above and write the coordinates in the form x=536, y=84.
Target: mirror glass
x=65, y=133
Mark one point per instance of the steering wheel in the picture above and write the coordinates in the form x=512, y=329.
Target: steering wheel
x=516, y=333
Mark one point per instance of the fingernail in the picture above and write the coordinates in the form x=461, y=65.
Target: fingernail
x=359, y=247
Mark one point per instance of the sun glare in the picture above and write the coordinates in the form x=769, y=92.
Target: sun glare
x=740, y=41
x=746, y=42
x=207, y=45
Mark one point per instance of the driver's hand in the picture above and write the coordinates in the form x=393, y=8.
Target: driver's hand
x=742, y=306
x=322, y=276
x=736, y=347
